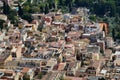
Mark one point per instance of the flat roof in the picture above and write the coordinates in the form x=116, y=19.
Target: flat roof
x=3, y=17
x=103, y=71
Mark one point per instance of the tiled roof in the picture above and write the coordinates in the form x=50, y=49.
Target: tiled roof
x=74, y=78
x=25, y=69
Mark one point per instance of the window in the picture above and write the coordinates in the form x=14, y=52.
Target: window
x=13, y=54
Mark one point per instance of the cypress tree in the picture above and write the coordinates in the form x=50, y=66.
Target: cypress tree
x=6, y=8
x=113, y=33
x=46, y=9
x=20, y=11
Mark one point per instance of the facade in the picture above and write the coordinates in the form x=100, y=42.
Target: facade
x=109, y=42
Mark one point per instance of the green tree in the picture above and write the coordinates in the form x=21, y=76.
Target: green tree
x=61, y=2
x=117, y=35
x=42, y=7
x=112, y=8
x=26, y=8
x=92, y=17
x=46, y=9
x=26, y=77
x=6, y=8
x=40, y=75
x=50, y=3
x=20, y=11
x=117, y=19
x=34, y=9
x=101, y=79
x=27, y=17
x=13, y=16
x=1, y=24
x=113, y=34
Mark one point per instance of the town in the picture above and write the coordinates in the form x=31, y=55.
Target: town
x=57, y=46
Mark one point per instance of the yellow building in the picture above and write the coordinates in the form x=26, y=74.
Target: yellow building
x=4, y=57
x=95, y=56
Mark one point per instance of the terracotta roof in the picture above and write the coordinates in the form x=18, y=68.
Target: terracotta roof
x=25, y=69
x=61, y=66
x=69, y=45
x=89, y=23
x=47, y=19
x=0, y=32
x=55, y=67
x=52, y=75
x=74, y=78
x=74, y=34
x=58, y=17
x=34, y=21
x=8, y=71
x=56, y=44
x=104, y=25
x=96, y=63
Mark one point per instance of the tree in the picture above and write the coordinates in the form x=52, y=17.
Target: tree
x=101, y=79
x=27, y=17
x=113, y=33
x=26, y=77
x=42, y=9
x=61, y=2
x=112, y=8
x=117, y=18
x=40, y=26
x=78, y=56
x=117, y=36
x=1, y=24
x=92, y=17
x=20, y=11
x=26, y=8
x=34, y=9
x=61, y=78
x=46, y=9
x=70, y=7
x=13, y=16
x=50, y=3
x=113, y=57
x=40, y=75
x=6, y=8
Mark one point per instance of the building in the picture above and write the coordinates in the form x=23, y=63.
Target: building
x=92, y=28
x=53, y=75
x=6, y=74
x=109, y=42
x=95, y=68
x=4, y=58
x=7, y=1
x=74, y=78
x=3, y=17
x=116, y=58
x=104, y=27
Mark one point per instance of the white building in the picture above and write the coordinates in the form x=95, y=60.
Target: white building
x=92, y=28
x=109, y=42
